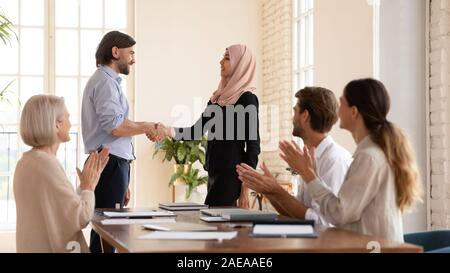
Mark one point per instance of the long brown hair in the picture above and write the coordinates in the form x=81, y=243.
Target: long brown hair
x=372, y=100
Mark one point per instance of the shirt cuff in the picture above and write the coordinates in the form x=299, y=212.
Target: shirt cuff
x=311, y=215
x=314, y=187
x=87, y=195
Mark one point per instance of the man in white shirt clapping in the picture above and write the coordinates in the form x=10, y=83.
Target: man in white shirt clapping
x=314, y=115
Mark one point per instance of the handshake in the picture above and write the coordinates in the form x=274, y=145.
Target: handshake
x=158, y=131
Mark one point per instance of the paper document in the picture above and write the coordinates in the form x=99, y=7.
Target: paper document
x=152, y=213
x=179, y=226
x=127, y=221
x=280, y=230
x=194, y=235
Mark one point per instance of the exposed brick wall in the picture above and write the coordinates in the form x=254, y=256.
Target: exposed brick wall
x=440, y=113
x=277, y=80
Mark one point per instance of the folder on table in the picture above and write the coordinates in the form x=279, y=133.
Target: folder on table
x=241, y=214
x=182, y=206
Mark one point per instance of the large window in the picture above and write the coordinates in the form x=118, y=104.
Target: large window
x=303, y=55
x=54, y=55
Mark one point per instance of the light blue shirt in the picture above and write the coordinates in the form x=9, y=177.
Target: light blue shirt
x=104, y=108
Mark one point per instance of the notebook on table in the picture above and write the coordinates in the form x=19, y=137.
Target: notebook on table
x=240, y=214
x=182, y=206
x=179, y=226
x=285, y=228
x=138, y=214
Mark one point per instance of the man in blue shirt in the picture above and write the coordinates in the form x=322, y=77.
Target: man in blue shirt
x=105, y=123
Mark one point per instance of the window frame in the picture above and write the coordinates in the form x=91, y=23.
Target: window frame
x=49, y=77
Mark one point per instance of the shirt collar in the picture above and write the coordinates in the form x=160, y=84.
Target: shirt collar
x=320, y=149
x=364, y=143
x=109, y=71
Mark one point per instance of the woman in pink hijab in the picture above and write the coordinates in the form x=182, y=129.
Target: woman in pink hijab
x=232, y=122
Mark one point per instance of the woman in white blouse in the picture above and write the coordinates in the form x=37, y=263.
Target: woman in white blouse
x=381, y=183
x=50, y=215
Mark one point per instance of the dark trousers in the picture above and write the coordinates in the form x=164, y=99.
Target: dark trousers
x=111, y=189
x=224, y=188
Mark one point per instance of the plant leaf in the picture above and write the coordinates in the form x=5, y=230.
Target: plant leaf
x=181, y=154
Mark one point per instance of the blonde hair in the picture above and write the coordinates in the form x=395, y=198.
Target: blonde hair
x=373, y=102
x=38, y=120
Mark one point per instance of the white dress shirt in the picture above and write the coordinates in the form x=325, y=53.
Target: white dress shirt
x=332, y=163
x=366, y=202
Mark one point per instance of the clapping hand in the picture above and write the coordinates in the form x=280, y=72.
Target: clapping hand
x=262, y=183
x=300, y=161
x=92, y=169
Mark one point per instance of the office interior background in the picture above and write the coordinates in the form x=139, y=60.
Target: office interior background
x=404, y=43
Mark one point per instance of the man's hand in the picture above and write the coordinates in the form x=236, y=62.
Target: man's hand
x=300, y=161
x=159, y=132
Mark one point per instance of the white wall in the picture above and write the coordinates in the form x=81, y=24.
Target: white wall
x=179, y=46
x=343, y=48
x=402, y=69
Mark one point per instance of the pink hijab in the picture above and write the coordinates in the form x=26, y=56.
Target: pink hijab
x=243, y=65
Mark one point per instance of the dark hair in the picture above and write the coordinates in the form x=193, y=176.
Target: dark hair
x=112, y=39
x=372, y=100
x=321, y=105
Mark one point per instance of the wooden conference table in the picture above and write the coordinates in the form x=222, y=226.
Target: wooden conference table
x=125, y=239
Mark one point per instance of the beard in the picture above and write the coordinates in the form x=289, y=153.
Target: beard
x=124, y=68
x=298, y=131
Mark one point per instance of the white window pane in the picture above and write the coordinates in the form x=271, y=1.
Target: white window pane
x=296, y=49
x=89, y=42
x=309, y=4
x=66, y=13
x=311, y=40
x=10, y=58
x=116, y=14
x=32, y=12
x=30, y=86
x=67, y=155
x=307, y=38
x=3, y=199
x=302, y=42
x=10, y=8
x=68, y=88
x=66, y=52
x=8, y=109
x=302, y=6
x=91, y=13
x=296, y=8
x=32, y=51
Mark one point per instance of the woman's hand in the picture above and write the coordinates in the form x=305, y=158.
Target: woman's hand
x=244, y=201
x=301, y=161
x=93, y=169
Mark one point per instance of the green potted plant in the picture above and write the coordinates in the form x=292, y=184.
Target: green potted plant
x=6, y=34
x=184, y=153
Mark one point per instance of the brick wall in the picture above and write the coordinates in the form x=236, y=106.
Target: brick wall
x=440, y=113
x=276, y=117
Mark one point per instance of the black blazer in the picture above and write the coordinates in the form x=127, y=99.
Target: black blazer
x=224, y=153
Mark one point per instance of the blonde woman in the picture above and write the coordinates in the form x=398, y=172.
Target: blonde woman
x=382, y=181
x=50, y=215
